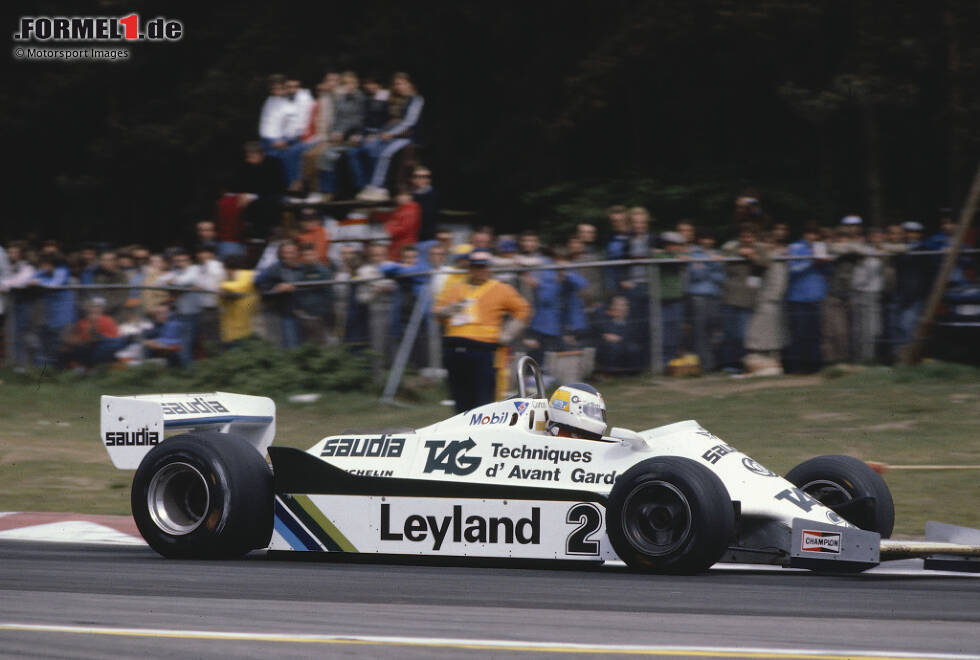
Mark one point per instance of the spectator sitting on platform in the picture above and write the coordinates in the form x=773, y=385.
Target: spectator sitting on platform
x=360, y=158
x=376, y=98
x=618, y=342
x=271, y=119
x=317, y=135
x=163, y=340
x=93, y=339
x=345, y=133
x=402, y=129
x=296, y=119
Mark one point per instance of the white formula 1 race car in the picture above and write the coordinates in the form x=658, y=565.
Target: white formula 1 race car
x=491, y=485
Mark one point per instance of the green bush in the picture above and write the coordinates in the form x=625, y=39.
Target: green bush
x=253, y=367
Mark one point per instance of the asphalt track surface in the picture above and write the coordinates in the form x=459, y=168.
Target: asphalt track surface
x=91, y=601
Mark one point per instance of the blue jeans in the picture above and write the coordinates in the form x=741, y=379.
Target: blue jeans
x=908, y=319
x=290, y=155
x=188, y=335
x=369, y=150
x=50, y=342
x=803, y=354
x=383, y=160
x=672, y=313
x=22, y=327
x=289, y=329
x=704, y=323
x=734, y=321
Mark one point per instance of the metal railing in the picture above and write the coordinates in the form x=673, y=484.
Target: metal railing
x=651, y=329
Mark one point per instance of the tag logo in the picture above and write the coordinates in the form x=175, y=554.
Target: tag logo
x=821, y=542
x=451, y=459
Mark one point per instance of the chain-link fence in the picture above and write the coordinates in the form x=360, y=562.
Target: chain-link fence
x=684, y=315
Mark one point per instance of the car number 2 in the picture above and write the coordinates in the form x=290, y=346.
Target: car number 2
x=589, y=520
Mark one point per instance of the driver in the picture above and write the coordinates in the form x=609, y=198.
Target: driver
x=577, y=410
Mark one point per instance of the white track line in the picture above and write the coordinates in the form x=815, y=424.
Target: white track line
x=493, y=644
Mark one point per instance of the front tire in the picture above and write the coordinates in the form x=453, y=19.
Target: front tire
x=203, y=495
x=850, y=488
x=670, y=515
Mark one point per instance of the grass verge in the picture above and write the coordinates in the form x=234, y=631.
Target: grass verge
x=51, y=458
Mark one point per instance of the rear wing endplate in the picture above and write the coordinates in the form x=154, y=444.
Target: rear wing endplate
x=132, y=425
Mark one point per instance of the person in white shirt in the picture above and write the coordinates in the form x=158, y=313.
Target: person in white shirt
x=211, y=273
x=285, y=117
x=187, y=275
x=12, y=286
x=271, y=121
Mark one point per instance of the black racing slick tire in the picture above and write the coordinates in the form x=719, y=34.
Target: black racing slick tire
x=203, y=495
x=670, y=515
x=850, y=488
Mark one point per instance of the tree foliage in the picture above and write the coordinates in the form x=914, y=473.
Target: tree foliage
x=529, y=106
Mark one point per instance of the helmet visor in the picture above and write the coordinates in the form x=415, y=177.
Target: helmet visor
x=594, y=411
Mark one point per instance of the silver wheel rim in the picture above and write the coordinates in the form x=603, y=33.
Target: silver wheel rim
x=178, y=498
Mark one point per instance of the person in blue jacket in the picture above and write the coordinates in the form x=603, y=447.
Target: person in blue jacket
x=59, y=305
x=705, y=280
x=805, y=292
x=559, y=312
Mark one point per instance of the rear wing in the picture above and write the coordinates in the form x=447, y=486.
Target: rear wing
x=132, y=425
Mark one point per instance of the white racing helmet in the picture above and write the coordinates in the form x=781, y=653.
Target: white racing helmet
x=579, y=409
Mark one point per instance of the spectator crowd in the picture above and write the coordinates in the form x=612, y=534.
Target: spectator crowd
x=275, y=262
x=759, y=302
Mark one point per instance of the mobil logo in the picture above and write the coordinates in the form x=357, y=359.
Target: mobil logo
x=483, y=419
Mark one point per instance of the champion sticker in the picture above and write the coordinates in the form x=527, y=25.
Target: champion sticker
x=821, y=542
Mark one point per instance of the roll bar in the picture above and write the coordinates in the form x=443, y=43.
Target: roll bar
x=522, y=364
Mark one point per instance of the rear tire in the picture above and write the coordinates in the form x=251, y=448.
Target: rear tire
x=203, y=495
x=849, y=487
x=670, y=515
